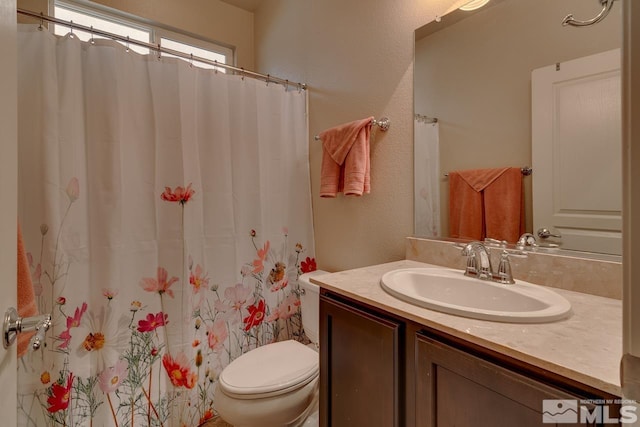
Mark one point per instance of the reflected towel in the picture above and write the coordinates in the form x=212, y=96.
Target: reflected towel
x=26, y=296
x=486, y=203
x=346, y=159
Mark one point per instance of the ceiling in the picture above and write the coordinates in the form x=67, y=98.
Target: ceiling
x=249, y=5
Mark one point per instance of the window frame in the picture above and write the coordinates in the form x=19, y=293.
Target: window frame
x=156, y=31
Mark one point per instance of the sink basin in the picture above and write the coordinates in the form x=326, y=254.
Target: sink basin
x=450, y=291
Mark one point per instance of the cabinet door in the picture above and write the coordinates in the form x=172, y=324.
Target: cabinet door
x=361, y=367
x=454, y=388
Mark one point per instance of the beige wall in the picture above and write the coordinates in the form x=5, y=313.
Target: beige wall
x=481, y=94
x=357, y=58
x=211, y=19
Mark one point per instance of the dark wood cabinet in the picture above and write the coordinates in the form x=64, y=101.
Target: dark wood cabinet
x=361, y=367
x=454, y=388
x=378, y=369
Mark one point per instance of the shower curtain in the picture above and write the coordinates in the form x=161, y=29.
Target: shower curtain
x=167, y=214
x=427, y=178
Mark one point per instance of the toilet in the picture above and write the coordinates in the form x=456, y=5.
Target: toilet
x=276, y=385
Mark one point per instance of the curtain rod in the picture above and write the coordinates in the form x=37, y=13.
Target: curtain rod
x=158, y=48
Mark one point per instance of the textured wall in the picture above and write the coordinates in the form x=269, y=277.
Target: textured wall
x=357, y=58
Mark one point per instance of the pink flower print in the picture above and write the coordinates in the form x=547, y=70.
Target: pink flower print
x=180, y=195
x=109, y=293
x=65, y=337
x=159, y=285
x=279, y=285
x=255, y=317
x=74, y=322
x=198, y=279
x=238, y=295
x=217, y=334
x=308, y=265
x=111, y=378
x=179, y=371
x=245, y=270
x=152, y=322
x=73, y=189
x=287, y=308
x=258, y=264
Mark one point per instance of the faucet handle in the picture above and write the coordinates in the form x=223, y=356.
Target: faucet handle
x=504, y=275
x=472, y=265
x=526, y=240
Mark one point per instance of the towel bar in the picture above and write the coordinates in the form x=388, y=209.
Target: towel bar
x=526, y=171
x=384, y=124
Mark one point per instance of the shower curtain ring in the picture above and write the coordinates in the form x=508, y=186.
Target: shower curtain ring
x=92, y=40
x=286, y=85
x=268, y=79
x=215, y=67
x=127, y=45
x=191, y=60
x=71, y=35
x=159, y=51
x=41, y=26
x=242, y=73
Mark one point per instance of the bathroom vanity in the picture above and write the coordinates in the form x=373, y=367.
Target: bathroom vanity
x=385, y=362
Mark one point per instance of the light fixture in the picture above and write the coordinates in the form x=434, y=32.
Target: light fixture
x=473, y=5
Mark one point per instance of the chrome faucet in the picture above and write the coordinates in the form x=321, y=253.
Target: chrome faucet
x=527, y=239
x=479, y=263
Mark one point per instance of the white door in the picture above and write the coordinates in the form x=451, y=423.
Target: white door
x=576, y=152
x=8, y=199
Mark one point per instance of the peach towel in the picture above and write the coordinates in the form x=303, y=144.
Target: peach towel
x=26, y=296
x=346, y=162
x=486, y=203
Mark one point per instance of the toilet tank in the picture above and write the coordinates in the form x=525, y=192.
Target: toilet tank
x=310, y=304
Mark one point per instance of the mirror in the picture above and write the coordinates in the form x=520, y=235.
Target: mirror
x=473, y=73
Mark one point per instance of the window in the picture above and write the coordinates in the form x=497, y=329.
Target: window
x=196, y=51
x=137, y=30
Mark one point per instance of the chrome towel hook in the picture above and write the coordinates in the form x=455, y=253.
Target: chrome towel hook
x=606, y=8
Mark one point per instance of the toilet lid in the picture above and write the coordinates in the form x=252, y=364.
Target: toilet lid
x=270, y=370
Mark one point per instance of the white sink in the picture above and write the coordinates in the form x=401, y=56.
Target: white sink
x=450, y=291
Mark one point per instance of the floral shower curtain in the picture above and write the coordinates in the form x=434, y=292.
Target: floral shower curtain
x=166, y=210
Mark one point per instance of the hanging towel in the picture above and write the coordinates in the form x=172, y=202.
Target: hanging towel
x=26, y=296
x=345, y=159
x=486, y=203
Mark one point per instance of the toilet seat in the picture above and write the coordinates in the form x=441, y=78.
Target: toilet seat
x=270, y=370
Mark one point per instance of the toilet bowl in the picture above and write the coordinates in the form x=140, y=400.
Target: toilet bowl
x=275, y=385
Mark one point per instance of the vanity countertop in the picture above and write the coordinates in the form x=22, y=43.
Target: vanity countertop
x=587, y=347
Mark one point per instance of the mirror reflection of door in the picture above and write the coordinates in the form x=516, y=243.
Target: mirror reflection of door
x=576, y=152
x=473, y=72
